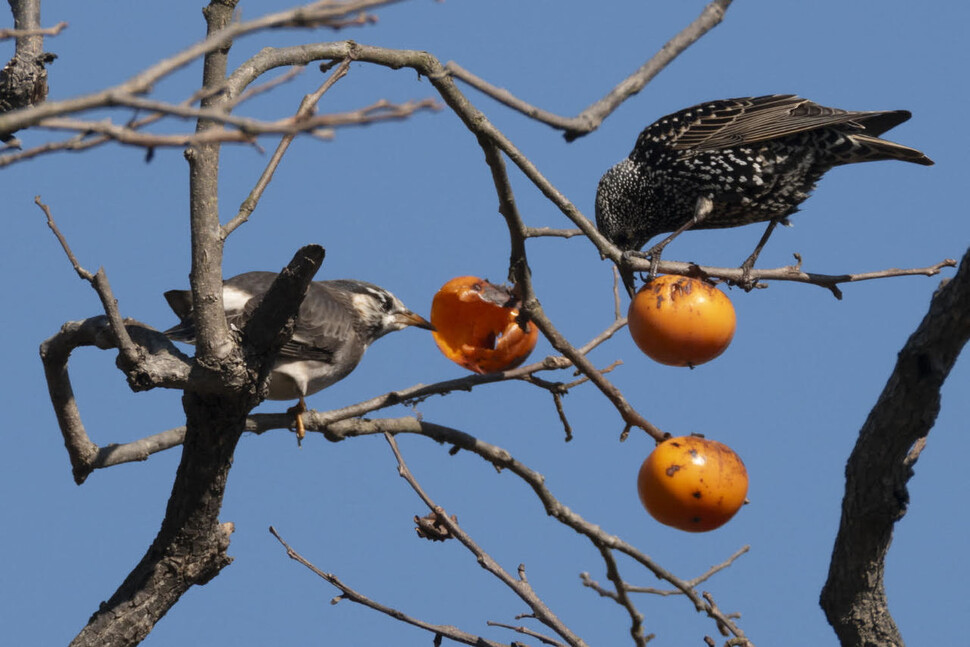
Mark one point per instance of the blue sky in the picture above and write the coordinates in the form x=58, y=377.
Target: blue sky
x=409, y=206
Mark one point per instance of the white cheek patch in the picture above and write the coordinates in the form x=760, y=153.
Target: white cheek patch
x=362, y=302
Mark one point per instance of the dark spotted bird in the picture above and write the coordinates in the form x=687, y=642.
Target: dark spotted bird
x=337, y=321
x=735, y=162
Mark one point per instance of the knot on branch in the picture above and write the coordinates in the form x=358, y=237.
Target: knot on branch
x=431, y=527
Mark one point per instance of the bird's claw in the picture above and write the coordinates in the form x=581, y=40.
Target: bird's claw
x=297, y=411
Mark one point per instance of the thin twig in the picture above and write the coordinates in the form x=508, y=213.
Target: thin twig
x=703, y=577
x=257, y=90
x=538, y=232
x=546, y=640
x=347, y=593
x=307, y=107
x=6, y=34
x=319, y=126
x=636, y=618
x=519, y=585
x=99, y=281
x=519, y=271
x=174, y=373
x=557, y=400
x=86, y=140
x=788, y=273
x=590, y=118
x=313, y=15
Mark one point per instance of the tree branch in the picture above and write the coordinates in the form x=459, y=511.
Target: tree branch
x=347, y=593
x=519, y=585
x=519, y=272
x=6, y=34
x=315, y=14
x=854, y=596
x=23, y=80
x=735, y=275
x=172, y=369
x=307, y=108
x=502, y=459
x=590, y=119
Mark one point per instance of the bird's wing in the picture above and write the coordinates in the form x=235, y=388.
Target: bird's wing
x=325, y=325
x=240, y=294
x=735, y=122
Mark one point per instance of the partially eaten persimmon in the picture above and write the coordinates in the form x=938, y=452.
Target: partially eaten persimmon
x=477, y=325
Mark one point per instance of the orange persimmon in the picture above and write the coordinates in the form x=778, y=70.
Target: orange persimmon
x=692, y=483
x=681, y=321
x=476, y=325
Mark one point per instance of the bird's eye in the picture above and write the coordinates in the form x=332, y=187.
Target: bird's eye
x=386, y=303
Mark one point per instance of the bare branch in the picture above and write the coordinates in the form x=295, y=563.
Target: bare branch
x=519, y=271
x=6, y=34
x=520, y=586
x=590, y=118
x=724, y=623
x=525, y=631
x=249, y=128
x=636, y=618
x=85, y=140
x=502, y=459
x=23, y=80
x=307, y=106
x=347, y=593
x=314, y=14
x=703, y=577
x=257, y=90
x=788, y=273
x=537, y=232
x=171, y=369
x=99, y=281
x=881, y=464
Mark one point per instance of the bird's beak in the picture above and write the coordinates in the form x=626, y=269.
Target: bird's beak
x=411, y=319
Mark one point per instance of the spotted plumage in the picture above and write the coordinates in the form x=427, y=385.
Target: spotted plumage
x=756, y=160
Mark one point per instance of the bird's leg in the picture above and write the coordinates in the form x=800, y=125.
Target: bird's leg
x=298, y=411
x=703, y=209
x=745, y=283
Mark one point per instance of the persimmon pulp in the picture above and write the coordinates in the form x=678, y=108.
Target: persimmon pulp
x=477, y=325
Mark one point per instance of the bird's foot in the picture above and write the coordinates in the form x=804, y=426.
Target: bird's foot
x=747, y=283
x=297, y=411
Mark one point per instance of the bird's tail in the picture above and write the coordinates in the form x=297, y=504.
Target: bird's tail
x=180, y=301
x=869, y=149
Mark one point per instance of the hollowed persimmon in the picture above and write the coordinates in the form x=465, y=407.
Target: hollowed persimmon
x=680, y=321
x=692, y=483
x=477, y=325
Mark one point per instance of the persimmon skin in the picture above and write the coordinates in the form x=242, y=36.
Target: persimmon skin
x=680, y=321
x=692, y=483
x=476, y=326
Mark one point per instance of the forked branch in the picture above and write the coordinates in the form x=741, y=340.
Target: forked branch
x=590, y=119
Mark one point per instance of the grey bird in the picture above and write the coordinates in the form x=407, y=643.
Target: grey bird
x=336, y=323
x=734, y=162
